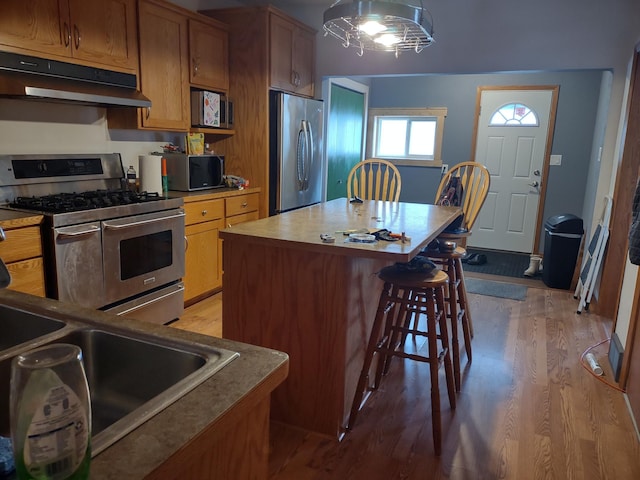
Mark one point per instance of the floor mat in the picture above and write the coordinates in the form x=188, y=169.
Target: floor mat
x=495, y=289
x=506, y=264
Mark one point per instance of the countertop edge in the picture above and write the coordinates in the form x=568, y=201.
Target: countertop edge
x=212, y=194
x=254, y=374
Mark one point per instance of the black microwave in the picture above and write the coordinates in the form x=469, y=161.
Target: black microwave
x=194, y=172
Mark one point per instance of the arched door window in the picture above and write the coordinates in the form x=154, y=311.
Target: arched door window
x=514, y=115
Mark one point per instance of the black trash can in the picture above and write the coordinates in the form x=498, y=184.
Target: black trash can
x=562, y=237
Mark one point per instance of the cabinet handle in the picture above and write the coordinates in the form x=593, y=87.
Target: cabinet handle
x=204, y=213
x=3, y=236
x=148, y=113
x=186, y=243
x=244, y=205
x=195, y=67
x=76, y=35
x=67, y=34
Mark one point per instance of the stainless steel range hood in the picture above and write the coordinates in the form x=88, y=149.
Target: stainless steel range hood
x=26, y=77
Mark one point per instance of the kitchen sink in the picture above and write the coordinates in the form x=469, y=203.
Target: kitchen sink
x=19, y=327
x=132, y=377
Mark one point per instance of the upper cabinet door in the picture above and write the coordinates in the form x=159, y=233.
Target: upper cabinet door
x=209, y=56
x=104, y=32
x=35, y=26
x=304, y=54
x=281, y=50
x=292, y=56
x=164, y=70
x=93, y=32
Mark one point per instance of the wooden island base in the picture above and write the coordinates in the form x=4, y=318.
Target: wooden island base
x=287, y=290
x=319, y=309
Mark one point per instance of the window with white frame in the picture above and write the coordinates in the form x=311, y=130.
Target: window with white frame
x=406, y=136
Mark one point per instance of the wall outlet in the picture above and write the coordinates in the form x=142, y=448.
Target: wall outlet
x=445, y=168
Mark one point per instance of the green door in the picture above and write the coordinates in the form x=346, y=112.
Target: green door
x=345, y=132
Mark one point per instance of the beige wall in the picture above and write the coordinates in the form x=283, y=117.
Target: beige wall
x=28, y=126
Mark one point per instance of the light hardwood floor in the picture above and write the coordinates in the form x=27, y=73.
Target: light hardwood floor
x=528, y=408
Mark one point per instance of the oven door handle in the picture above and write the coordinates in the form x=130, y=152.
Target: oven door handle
x=142, y=222
x=91, y=230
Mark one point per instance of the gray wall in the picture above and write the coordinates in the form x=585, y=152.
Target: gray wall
x=506, y=36
x=578, y=101
x=573, y=43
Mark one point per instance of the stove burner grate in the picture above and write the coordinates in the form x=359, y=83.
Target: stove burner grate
x=75, y=202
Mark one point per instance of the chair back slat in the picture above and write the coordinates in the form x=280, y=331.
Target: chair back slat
x=475, y=179
x=374, y=179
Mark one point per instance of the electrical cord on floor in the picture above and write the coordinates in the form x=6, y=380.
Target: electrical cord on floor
x=588, y=368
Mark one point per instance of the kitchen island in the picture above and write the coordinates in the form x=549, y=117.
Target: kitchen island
x=219, y=429
x=284, y=288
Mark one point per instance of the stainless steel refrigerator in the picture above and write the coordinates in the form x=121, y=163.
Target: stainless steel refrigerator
x=296, y=152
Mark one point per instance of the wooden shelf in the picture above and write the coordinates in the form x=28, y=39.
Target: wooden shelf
x=213, y=131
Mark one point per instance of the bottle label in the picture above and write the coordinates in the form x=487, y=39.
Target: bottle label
x=58, y=436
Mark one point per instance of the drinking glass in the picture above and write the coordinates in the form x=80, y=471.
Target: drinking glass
x=50, y=414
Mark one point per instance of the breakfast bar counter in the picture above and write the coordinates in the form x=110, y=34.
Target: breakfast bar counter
x=286, y=289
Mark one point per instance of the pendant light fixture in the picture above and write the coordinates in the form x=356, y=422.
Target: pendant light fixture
x=382, y=25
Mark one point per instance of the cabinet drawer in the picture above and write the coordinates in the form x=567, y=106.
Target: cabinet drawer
x=21, y=243
x=241, y=204
x=244, y=217
x=198, y=212
x=27, y=276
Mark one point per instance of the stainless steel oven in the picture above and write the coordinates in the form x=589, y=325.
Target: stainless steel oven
x=105, y=247
x=142, y=252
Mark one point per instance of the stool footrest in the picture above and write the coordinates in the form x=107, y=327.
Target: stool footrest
x=414, y=356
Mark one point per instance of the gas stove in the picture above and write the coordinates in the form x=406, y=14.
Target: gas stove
x=75, y=202
x=63, y=209
x=72, y=189
x=104, y=246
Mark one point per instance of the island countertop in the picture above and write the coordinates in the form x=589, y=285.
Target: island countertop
x=285, y=289
x=301, y=229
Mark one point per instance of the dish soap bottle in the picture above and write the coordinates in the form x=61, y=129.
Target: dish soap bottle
x=131, y=179
x=50, y=414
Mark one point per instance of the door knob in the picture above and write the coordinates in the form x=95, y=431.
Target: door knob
x=536, y=173
x=534, y=184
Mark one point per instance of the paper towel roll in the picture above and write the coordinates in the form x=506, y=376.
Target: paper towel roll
x=150, y=173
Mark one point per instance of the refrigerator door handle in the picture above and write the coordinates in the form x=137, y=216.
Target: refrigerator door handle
x=300, y=152
x=302, y=156
x=310, y=154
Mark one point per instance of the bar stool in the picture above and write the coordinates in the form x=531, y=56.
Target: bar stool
x=456, y=302
x=407, y=294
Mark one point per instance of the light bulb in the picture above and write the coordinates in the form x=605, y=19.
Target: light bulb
x=372, y=27
x=388, y=39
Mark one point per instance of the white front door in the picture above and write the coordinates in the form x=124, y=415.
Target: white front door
x=512, y=135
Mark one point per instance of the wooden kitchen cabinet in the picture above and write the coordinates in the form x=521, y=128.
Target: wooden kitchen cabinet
x=164, y=64
x=178, y=49
x=21, y=251
x=255, y=57
x=99, y=33
x=209, y=56
x=241, y=208
x=292, y=54
x=206, y=213
x=203, y=258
